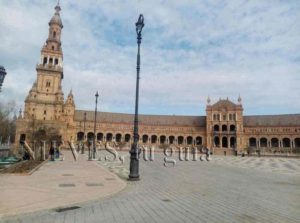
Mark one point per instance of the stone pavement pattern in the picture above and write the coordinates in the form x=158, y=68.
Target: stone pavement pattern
x=268, y=164
x=56, y=184
x=217, y=191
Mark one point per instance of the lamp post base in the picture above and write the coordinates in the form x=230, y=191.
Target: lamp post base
x=131, y=178
x=134, y=166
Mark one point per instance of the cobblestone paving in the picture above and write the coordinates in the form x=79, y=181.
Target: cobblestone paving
x=282, y=165
x=226, y=189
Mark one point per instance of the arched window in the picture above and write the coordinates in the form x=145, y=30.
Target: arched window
x=232, y=142
x=45, y=60
x=232, y=128
x=54, y=34
x=217, y=141
x=234, y=117
x=189, y=140
x=224, y=142
x=224, y=128
x=216, y=128
x=51, y=61
x=297, y=142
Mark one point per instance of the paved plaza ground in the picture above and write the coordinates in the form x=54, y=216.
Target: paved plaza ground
x=226, y=189
x=56, y=184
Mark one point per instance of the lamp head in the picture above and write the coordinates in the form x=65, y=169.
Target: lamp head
x=2, y=75
x=139, y=24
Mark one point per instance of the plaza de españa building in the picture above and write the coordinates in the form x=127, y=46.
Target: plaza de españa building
x=224, y=128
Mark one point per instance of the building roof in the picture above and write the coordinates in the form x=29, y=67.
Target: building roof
x=193, y=121
x=169, y=120
x=272, y=120
x=224, y=104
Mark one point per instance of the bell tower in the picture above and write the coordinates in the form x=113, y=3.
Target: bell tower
x=45, y=99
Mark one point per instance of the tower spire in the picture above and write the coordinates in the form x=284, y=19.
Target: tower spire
x=57, y=7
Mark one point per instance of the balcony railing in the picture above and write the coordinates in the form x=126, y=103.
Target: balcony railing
x=49, y=67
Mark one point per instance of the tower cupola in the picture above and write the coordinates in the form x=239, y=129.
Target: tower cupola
x=56, y=17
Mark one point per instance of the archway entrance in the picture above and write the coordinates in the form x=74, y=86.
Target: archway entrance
x=252, y=142
x=118, y=137
x=145, y=138
x=224, y=142
x=80, y=136
x=180, y=140
x=100, y=136
x=274, y=142
x=153, y=139
x=127, y=138
x=171, y=139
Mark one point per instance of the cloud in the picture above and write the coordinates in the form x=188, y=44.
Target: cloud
x=190, y=49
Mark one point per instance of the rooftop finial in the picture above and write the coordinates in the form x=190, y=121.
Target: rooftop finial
x=208, y=100
x=239, y=99
x=71, y=93
x=20, y=113
x=57, y=7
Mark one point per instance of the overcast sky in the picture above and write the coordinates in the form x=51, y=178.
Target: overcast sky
x=190, y=49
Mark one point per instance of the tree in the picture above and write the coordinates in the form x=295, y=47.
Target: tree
x=7, y=121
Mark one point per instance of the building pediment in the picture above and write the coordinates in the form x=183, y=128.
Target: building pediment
x=224, y=105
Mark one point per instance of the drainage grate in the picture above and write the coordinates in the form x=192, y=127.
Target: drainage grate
x=166, y=200
x=66, y=185
x=94, y=184
x=110, y=178
x=66, y=209
x=67, y=175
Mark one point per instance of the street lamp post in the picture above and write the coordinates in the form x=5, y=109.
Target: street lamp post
x=2, y=76
x=84, y=121
x=134, y=151
x=94, y=139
